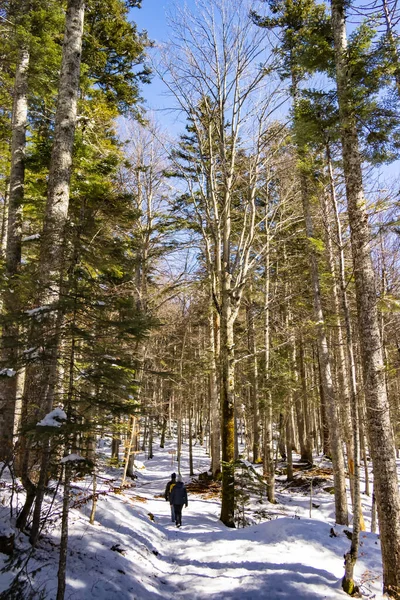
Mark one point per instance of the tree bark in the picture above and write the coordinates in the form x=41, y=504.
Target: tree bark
x=228, y=412
x=378, y=416
x=9, y=341
x=268, y=453
x=250, y=309
x=289, y=443
x=94, y=499
x=353, y=447
x=304, y=409
x=40, y=385
x=342, y=374
x=191, y=471
x=335, y=437
x=215, y=444
x=62, y=565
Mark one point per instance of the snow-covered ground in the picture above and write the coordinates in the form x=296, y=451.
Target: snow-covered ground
x=134, y=552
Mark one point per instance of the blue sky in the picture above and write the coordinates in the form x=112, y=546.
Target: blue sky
x=152, y=18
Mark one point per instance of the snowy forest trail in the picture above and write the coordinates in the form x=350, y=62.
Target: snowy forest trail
x=290, y=557
x=134, y=552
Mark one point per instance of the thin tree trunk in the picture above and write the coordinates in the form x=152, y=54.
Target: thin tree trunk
x=378, y=415
x=213, y=395
x=268, y=453
x=164, y=410
x=191, y=472
x=289, y=443
x=116, y=441
x=307, y=450
x=94, y=500
x=227, y=377
x=363, y=448
x=150, y=452
x=353, y=448
x=228, y=415
x=342, y=366
x=253, y=379
x=129, y=450
x=326, y=443
x=179, y=441
x=4, y=219
x=62, y=565
x=373, y=513
x=335, y=437
x=145, y=430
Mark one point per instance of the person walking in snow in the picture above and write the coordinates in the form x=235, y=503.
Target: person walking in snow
x=168, y=489
x=178, y=498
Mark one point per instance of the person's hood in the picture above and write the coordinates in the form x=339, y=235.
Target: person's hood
x=179, y=484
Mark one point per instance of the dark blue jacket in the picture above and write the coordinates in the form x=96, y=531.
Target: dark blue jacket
x=178, y=494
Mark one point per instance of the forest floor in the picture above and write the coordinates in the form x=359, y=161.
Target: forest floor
x=134, y=552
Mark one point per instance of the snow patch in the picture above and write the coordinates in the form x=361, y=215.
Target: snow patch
x=33, y=312
x=32, y=352
x=53, y=419
x=72, y=458
x=28, y=238
x=8, y=372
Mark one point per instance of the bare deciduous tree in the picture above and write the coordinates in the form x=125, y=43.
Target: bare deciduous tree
x=216, y=67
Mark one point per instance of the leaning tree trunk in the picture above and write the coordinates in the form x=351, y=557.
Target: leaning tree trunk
x=378, y=416
x=40, y=385
x=9, y=341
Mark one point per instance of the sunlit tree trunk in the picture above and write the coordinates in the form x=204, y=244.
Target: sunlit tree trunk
x=378, y=415
x=227, y=384
x=268, y=452
x=215, y=442
x=335, y=437
x=62, y=564
x=9, y=337
x=40, y=384
x=253, y=366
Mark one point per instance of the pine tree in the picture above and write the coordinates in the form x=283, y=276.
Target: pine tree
x=378, y=416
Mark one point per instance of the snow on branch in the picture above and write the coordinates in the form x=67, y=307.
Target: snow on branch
x=54, y=418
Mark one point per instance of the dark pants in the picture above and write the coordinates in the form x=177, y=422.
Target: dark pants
x=178, y=513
